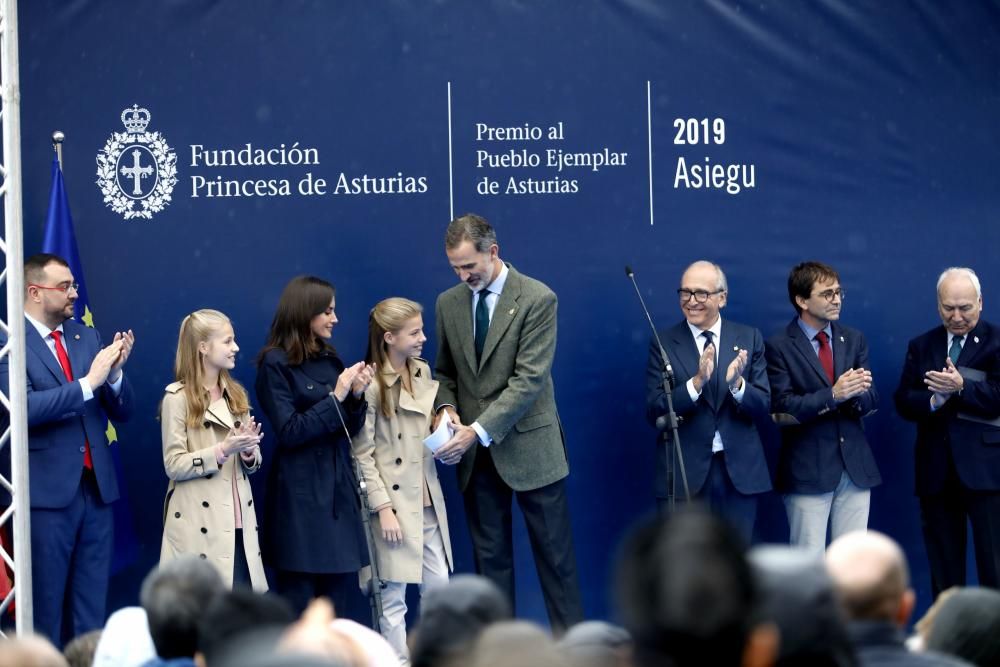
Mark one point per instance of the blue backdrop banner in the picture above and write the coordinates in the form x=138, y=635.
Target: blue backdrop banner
x=215, y=150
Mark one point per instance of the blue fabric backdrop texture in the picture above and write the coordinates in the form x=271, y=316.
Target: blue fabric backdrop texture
x=215, y=150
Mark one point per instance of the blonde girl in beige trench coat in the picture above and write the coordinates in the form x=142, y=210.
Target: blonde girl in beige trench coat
x=210, y=445
x=411, y=531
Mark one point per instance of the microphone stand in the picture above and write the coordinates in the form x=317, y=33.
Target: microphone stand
x=376, y=584
x=670, y=419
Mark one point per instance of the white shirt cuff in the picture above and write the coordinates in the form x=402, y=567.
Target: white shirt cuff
x=738, y=394
x=691, y=390
x=88, y=393
x=116, y=386
x=484, y=437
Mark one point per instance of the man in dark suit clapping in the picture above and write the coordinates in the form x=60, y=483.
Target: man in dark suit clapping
x=721, y=392
x=821, y=388
x=950, y=386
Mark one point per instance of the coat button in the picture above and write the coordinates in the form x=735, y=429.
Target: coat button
x=204, y=503
x=482, y=403
x=841, y=439
x=208, y=425
x=395, y=487
x=177, y=515
x=393, y=511
x=83, y=449
x=204, y=530
x=398, y=437
x=399, y=461
x=203, y=556
x=209, y=476
x=250, y=502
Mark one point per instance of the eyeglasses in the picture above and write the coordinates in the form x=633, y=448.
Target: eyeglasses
x=66, y=287
x=832, y=294
x=700, y=295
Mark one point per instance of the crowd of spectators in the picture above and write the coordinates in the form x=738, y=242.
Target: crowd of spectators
x=689, y=593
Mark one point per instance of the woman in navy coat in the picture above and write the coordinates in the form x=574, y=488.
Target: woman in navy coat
x=312, y=533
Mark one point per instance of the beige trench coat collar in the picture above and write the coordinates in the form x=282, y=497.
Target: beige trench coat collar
x=424, y=388
x=218, y=411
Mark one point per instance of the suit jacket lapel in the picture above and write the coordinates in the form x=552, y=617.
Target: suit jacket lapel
x=939, y=349
x=503, y=314
x=805, y=348
x=682, y=350
x=973, y=343
x=71, y=338
x=462, y=312
x=728, y=347
x=839, y=343
x=36, y=344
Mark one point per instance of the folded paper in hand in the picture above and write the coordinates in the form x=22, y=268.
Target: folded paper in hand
x=442, y=435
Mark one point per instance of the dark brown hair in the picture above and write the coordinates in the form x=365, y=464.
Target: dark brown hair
x=303, y=298
x=804, y=276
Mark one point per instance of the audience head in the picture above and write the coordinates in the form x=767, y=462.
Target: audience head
x=238, y=624
x=799, y=598
x=967, y=626
x=597, y=644
x=30, y=651
x=175, y=596
x=313, y=636
x=516, y=644
x=125, y=641
x=304, y=319
x=688, y=595
x=871, y=578
x=80, y=652
x=451, y=618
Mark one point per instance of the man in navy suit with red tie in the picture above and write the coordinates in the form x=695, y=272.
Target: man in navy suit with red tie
x=74, y=385
x=821, y=388
x=720, y=395
x=950, y=386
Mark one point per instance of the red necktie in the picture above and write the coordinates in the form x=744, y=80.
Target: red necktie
x=68, y=372
x=825, y=354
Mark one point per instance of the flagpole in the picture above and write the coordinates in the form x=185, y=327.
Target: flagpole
x=57, y=141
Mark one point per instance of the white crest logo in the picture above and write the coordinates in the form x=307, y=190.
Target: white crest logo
x=136, y=166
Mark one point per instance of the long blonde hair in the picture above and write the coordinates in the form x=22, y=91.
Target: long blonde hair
x=197, y=328
x=388, y=316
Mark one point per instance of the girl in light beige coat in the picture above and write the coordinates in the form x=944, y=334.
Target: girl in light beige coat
x=210, y=445
x=412, y=544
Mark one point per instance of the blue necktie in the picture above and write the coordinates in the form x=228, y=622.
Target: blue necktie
x=709, y=387
x=956, y=348
x=482, y=322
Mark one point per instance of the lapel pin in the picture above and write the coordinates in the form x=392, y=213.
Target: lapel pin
x=511, y=311
x=736, y=348
x=975, y=339
x=841, y=339
x=77, y=337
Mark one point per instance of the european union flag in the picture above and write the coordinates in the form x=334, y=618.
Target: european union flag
x=60, y=239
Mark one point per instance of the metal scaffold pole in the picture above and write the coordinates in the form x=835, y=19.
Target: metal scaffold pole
x=14, y=400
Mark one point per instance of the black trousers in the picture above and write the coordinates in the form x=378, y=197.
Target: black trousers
x=489, y=508
x=944, y=517
x=299, y=588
